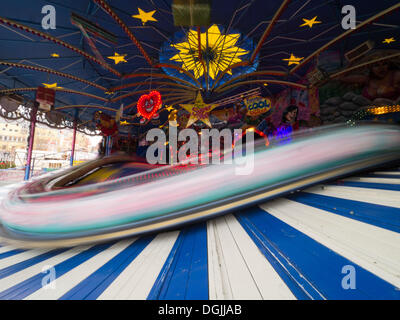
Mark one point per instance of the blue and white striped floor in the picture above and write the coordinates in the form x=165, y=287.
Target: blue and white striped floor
x=309, y=245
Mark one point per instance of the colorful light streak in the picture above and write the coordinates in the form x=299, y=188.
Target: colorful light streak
x=162, y=197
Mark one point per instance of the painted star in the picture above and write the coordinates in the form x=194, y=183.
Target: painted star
x=118, y=58
x=51, y=86
x=109, y=92
x=169, y=108
x=198, y=111
x=293, y=59
x=55, y=55
x=389, y=40
x=310, y=22
x=145, y=16
x=124, y=123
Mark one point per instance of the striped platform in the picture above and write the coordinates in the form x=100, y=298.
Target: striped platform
x=333, y=241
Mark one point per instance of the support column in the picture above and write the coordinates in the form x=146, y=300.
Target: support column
x=73, y=144
x=30, y=143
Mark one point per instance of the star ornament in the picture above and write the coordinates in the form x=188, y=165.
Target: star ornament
x=389, y=40
x=51, y=86
x=145, y=16
x=293, y=60
x=310, y=22
x=169, y=108
x=118, y=58
x=198, y=111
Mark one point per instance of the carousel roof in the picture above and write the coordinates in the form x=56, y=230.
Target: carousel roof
x=101, y=54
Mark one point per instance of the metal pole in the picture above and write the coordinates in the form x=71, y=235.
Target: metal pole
x=31, y=140
x=33, y=167
x=108, y=145
x=73, y=144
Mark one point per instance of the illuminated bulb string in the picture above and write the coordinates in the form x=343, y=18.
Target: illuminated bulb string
x=373, y=110
x=384, y=109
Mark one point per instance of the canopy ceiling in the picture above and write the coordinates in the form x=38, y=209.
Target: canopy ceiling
x=31, y=56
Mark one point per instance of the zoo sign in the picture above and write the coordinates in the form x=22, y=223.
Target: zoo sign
x=257, y=105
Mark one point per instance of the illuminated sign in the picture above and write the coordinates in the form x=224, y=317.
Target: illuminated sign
x=257, y=105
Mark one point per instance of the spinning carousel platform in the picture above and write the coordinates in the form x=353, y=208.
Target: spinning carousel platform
x=333, y=241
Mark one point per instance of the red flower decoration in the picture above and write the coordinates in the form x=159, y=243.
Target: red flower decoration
x=149, y=104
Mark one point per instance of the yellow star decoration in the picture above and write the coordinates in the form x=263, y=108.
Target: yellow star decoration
x=109, y=92
x=389, y=40
x=198, y=111
x=221, y=52
x=293, y=59
x=55, y=55
x=118, y=58
x=124, y=123
x=310, y=22
x=51, y=86
x=169, y=108
x=145, y=16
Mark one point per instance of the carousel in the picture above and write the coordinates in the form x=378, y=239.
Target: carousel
x=250, y=150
